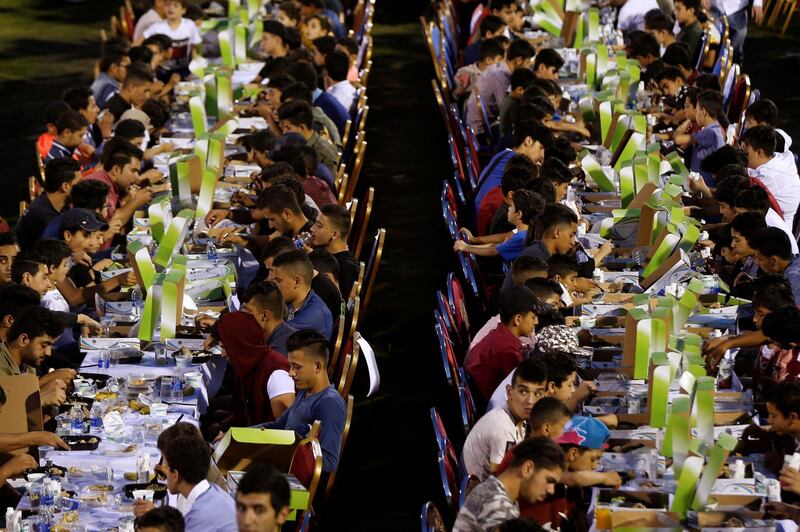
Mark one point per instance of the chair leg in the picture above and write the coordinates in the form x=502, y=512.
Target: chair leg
x=792, y=8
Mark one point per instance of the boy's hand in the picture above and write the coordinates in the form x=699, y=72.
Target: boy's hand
x=48, y=438
x=54, y=393
x=141, y=507
x=91, y=325
x=612, y=479
x=64, y=374
x=215, y=216
x=17, y=465
x=790, y=480
x=460, y=245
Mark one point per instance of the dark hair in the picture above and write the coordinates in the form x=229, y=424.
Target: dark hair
x=59, y=171
x=116, y=44
x=296, y=92
x=535, y=130
x=549, y=58
x=530, y=370
x=157, y=111
x=530, y=204
x=722, y=239
x=711, y=101
x=78, y=97
x=747, y=223
x=678, y=54
x=291, y=9
x=266, y=296
x=770, y=242
x=782, y=326
x=275, y=68
x=8, y=239
x=671, y=73
x=282, y=83
x=518, y=161
x=277, y=198
x=14, y=298
x=519, y=524
x=488, y=48
x=277, y=171
x=763, y=111
x=536, y=113
x=129, y=129
x=349, y=43
x=563, y=151
x=525, y=263
x=119, y=152
x=140, y=54
x=28, y=261
x=760, y=138
x=545, y=188
x=303, y=72
x=655, y=19
x=772, y=292
x=164, y=518
x=753, y=198
x=175, y=431
x=163, y=42
x=691, y=4
x=52, y=251
x=561, y=265
x=35, y=321
x=263, y=141
x=90, y=194
x=292, y=183
x=514, y=179
x=263, y=478
x=310, y=342
x=785, y=396
x=521, y=77
x=337, y=63
x=54, y=110
x=543, y=288
x=521, y=49
x=326, y=45
x=72, y=121
x=490, y=24
x=557, y=214
x=552, y=316
x=190, y=457
x=325, y=262
x=297, y=261
x=547, y=410
x=544, y=453
x=339, y=218
x=728, y=189
x=560, y=365
x=645, y=45
x=724, y=156
x=275, y=247
x=295, y=157
x=3, y=398
x=707, y=82
x=111, y=58
x=731, y=170
x=297, y=112
x=555, y=170
x=138, y=74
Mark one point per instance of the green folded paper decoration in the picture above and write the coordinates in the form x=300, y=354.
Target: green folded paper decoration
x=256, y=33
x=240, y=43
x=198, y=66
x=205, y=199
x=586, y=107
x=621, y=60
x=160, y=214
x=210, y=82
x=651, y=335
x=171, y=302
x=627, y=185
x=635, y=72
x=602, y=61
x=662, y=253
x=180, y=172
x=226, y=48
x=677, y=164
x=142, y=263
x=580, y=32
x=199, y=116
x=595, y=171
x=179, y=263
x=174, y=238
x=547, y=22
x=660, y=396
x=593, y=25
x=224, y=94
x=606, y=118
x=621, y=127
x=591, y=70
x=703, y=409
x=216, y=150
x=151, y=310
x=253, y=7
x=687, y=484
x=635, y=143
x=678, y=433
x=724, y=445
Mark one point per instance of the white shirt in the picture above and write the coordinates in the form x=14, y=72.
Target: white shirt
x=147, y=20
x=528, y=342
x=729, y=7
x=631, y=14
x=185, y=505
x=499, y=397
x=53, y=300
x=279, y=383
x=774, y=219
x=344, y=92
x=489, y=439
x=779, y=175
x=183, y=39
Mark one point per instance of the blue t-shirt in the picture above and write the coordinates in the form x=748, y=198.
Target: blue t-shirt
x=326, y=406
x=492, y=175
x=707, y=141
x=331, y=107
x=213, y=511
x=511, y=248
x=313, y=314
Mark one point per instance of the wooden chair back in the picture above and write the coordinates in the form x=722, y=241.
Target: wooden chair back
x=373, y=264
x=360, y=225
x=349, y=417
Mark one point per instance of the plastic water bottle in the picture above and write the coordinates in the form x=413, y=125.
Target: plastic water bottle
x=177, y=386
x=45, y=519
x=95, y=419
x=211, y=250
x=76, y=425
x=137, y=300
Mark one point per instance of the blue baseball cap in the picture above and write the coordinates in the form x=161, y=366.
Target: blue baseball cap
x=585, y=431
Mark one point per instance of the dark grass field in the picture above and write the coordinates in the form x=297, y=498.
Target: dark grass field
x=389, y=467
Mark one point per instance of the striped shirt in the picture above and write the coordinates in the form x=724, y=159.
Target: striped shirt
x=486, y=507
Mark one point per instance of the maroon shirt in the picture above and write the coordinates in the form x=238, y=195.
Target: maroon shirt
x=492, y=359
x=319, y=190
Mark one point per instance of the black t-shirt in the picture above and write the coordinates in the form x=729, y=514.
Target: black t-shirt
x=81, y=275
x=348, y=271
x=117, y=106
x=30, y=227
x=499, y=223
x=329, y=294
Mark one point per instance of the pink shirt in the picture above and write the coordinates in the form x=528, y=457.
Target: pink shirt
x=528, y=342
x=113, y=194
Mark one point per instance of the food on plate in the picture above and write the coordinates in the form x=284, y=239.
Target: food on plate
x=130, y=476
x=101, y=487
x=105, y=394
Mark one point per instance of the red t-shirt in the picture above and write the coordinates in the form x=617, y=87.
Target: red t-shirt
x=319, y=190
x=113, y=194
x=492, y=359
x=489, y=205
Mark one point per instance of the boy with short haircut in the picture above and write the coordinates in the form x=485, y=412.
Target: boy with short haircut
x=517, y=174
x=547, y=64
x=330, y=233
x=678, y=55
x=505, y=426
x=548, y=418
x=262, y=500
x=29, y=270
x=764, y=112
x=756, y=199
x=535, y=468
x=70, y=130
x=563, y=269
x=773, y=253
x=660, y=26
x=778, y=174
x=525, y=268
x=134, y=92
x=156, y=13
x=289, y=14
x=500, y=351
x=298, y=117
x=773, y=362
x=55, y=256
x=521, y=79
x=490, y=27
x=686, y=13
x=183, y=32
x=161, y=519
x=561, y=374
x=113, y=67
x=711, y=137
x=336, y=65
x=490, y=52
x=9, y=249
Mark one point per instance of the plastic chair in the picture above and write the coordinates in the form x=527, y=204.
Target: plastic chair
x=447, y=460
x=358, y=229
x=727, y=85
x=345, y=432
x=701, y=50
x=739, y=99
x=448, y=212
x=487, y=124
x=344, y=335
x=446, y=351
x=306, y=464
x=468, y=483
x=431, y=518
x=349, y=369
x=466, y=403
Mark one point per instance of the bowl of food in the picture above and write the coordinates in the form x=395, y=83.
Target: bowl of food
x=82, y=443
x=159, y=490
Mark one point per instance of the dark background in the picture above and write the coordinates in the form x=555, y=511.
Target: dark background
x=389, y=466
